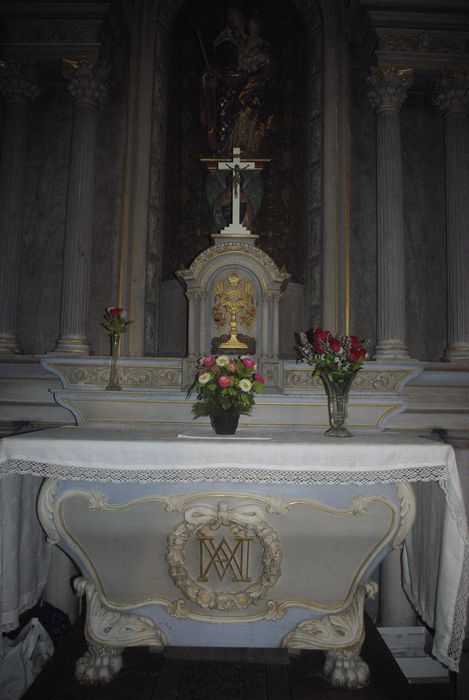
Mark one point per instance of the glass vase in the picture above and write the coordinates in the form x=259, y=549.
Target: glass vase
x=225, y=423
x=114, y=385
x=337, y=391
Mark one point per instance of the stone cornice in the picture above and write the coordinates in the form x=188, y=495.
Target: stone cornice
x=420, y=37
x=51, y=31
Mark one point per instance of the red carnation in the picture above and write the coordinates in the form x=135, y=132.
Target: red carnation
x=334, y=344
x=355, y=342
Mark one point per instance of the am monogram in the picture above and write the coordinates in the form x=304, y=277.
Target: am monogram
x=222, y=557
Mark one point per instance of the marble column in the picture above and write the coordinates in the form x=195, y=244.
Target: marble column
x=451, y=96
x=18, y=83
x=387, y=92
x=89, y=87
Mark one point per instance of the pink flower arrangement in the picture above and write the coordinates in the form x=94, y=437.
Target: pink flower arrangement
x=225, y=385
x=335, y=356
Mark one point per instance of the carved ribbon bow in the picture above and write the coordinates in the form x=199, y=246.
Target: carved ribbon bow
x=215, y=517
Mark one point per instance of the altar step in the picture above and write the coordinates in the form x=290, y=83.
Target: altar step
x=230, y=674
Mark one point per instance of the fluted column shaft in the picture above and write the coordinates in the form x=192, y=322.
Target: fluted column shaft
x=451, y=95
x=18, y=85
x=387, y=93
x=88, y=87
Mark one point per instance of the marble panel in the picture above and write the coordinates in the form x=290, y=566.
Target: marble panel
x=41, y=247
x=422, y=136
x=362, y=300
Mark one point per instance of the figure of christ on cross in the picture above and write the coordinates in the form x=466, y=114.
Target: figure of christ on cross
x=236, y=166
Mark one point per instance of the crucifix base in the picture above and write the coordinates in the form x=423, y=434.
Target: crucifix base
x=235, y=229
x=229, y=237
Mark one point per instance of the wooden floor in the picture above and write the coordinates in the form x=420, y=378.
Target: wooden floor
x=191, y=674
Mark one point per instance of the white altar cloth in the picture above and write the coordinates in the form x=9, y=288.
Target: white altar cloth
x=143, y=454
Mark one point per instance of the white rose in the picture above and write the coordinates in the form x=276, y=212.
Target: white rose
x=245, y=385
x=204, y=378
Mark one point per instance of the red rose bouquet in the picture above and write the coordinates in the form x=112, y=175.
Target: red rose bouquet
x=334, y=356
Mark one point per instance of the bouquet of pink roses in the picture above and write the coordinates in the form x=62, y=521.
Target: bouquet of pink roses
x=331, y=355
x=225, y=385
x=115, y=319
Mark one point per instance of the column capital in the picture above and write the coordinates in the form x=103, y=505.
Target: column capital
x=451, y=92
x=387, y=87
x=19, y=82
x=88, y=82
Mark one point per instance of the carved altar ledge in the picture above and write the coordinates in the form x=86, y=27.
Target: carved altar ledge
x=154, y=391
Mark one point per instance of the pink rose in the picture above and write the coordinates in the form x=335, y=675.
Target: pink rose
x=248, y=362
x=114, y=310
x=208, y=361
x=259, y=378
x=232, y=366
x=334, y=345
x=224, y=381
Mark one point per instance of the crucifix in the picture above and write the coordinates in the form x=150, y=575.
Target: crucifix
x=236, y=166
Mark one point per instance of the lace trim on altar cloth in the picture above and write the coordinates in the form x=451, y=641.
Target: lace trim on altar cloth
x=255, y=474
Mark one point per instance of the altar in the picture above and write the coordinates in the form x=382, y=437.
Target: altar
x=260, y=539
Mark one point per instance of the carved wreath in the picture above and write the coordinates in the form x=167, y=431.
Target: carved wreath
x=240, y=520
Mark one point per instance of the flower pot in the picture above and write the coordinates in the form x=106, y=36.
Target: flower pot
x=337, y=402
x=225, y=423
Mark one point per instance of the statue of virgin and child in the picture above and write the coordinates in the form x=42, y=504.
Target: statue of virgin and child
x=236, y=107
